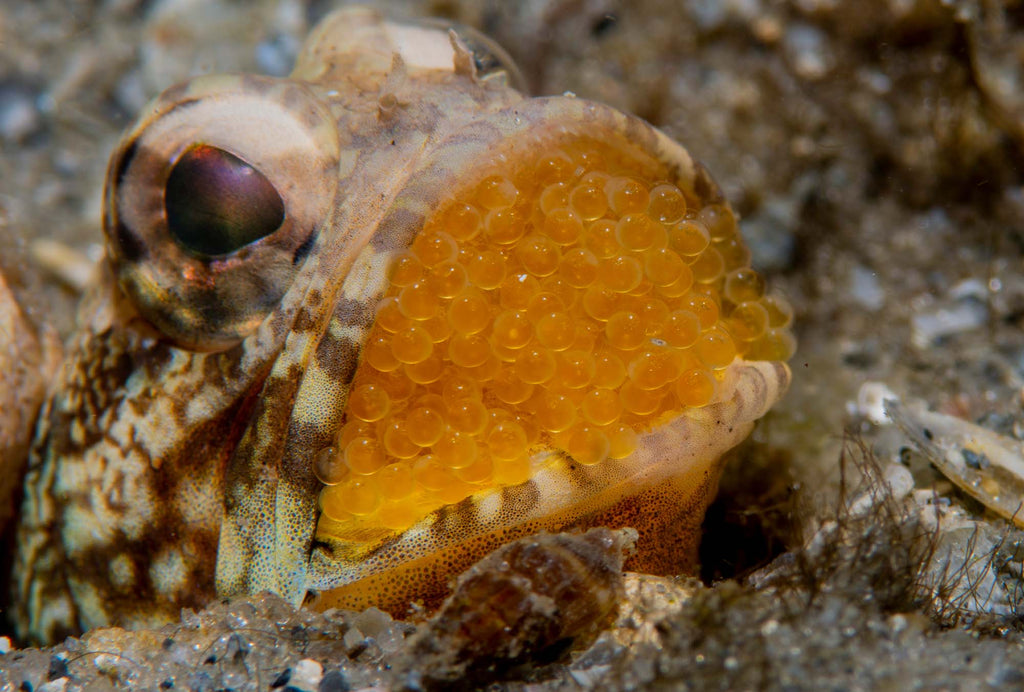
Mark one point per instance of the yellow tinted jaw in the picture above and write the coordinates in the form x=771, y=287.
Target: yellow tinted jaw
x=561, y=301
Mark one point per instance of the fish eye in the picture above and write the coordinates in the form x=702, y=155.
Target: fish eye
x=214, y=200
x=216, y=203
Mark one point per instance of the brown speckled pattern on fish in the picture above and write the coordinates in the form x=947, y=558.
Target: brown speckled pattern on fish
x=174, y=462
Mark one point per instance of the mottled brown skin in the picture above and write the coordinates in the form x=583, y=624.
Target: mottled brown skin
x=173, y=462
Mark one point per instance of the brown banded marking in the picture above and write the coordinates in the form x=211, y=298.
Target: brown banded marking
x=511, y=500
x=337, y=356
x=107, y=500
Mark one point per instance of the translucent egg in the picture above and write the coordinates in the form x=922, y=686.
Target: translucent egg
x=467, y=416
x=589, y=446
x=397, y=442
x=425, y=425
x=719, y=221
x=609, y=370
x=588, y=199
x=576, y=369
x=535, y=365
x=748, y=321
x=456, y=450
x=689, y=237
x=461, y=221
x=496, y=192
x=716, y=348
x=627, y=196
x=377, y=352
x=507, y=441
x=434, y=248
x=412, y=344
x=419, y=300
x=369, y=402
x=579, y=267
x=538, y=254
x=667, y=203
x=601, y=407
x=396, y=481
x=427, y=370
x=448, y=279
x=555, y=412
x=601, y=239
x=743, y=285
x=663, y=266
x=554, y=167
x=638, y=232
x=695, y=387
x=329, y=466
x=469, y=350
x=554, y=196
x=563, y=226
x=469, y=312
x=364, y=456
x=625, y=331
x=389, y=315
x=512, y=329
x=504, y=226
x=622, y=441
x=486, y=269
x=358, y=496
x=622, y=273
x=556, y=331
x=405, y=269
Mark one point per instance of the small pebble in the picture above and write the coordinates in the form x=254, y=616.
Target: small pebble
x=282, y=678
x=276, y=54
x=19, y=116
x=806, y=47
x=928, y=327
x=866, y=289
x=58, y=668
x=334, y=681
x=871, y=399
x=353, y=640
x=200, y=681
x=306, y=675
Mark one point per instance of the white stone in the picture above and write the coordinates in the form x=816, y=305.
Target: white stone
x=871, y=401
x=307, y=675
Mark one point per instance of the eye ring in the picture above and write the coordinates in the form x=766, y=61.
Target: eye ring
x=204, y=269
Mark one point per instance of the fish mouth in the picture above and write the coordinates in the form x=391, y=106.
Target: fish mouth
x=573, y=325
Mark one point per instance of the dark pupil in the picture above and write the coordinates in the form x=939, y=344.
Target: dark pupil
x=216, y=203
